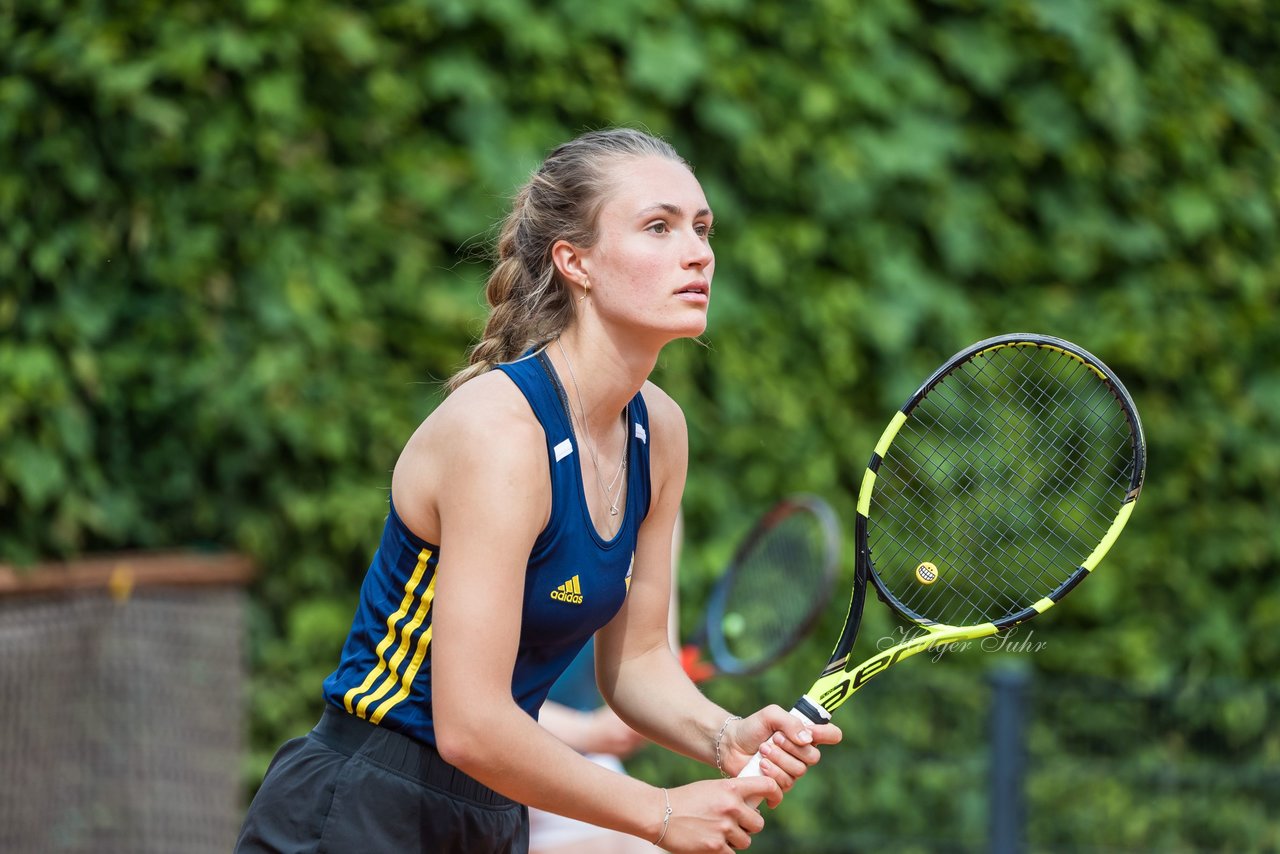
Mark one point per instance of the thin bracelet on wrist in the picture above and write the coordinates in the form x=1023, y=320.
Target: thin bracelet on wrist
x=719, y=738
x=666, y=819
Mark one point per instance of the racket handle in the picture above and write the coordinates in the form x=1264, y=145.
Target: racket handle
x=807, y=710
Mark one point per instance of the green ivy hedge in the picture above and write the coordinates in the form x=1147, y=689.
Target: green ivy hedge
x=242, y=247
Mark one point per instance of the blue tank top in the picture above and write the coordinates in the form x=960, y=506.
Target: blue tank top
x=575, y=582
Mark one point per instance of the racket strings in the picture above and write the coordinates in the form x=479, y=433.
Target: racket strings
x=977, y=437
x=1015, y=464
x=1075, y=446
x=1031, y=394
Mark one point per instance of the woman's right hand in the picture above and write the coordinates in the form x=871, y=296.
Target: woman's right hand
x=716, y=815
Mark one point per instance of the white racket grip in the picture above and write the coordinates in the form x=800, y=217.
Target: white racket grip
x=752, y=768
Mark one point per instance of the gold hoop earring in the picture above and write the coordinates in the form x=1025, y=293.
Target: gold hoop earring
x=586, y=291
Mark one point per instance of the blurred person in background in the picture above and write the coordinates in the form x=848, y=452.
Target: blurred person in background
x=533, y=509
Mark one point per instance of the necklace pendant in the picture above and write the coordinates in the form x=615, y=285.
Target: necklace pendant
x=613, y=511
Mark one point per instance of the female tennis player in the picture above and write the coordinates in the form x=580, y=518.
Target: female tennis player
x=532, y=509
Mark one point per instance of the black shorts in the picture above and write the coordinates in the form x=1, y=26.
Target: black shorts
x=350, y=786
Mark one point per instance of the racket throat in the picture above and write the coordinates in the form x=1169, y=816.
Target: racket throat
x=811, y=710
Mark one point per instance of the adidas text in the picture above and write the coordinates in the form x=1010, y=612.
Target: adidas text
x=570, y=592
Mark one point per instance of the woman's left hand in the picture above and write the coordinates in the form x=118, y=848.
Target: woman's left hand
x=787, y=744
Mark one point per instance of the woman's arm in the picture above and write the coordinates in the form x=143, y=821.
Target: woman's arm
x=636, y=670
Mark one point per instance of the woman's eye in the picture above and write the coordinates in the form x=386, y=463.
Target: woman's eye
x=659, y=228
x=706, y=231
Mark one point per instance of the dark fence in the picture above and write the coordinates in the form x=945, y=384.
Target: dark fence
x=122, y=722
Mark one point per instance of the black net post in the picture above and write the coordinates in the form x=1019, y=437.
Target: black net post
x=1008, y=760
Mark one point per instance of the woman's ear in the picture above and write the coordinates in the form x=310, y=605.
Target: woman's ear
x=570, y=264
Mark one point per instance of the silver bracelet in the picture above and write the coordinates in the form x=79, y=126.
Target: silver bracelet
x=720, y=737
x=666, y=819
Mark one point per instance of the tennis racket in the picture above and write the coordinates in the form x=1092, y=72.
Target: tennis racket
x=771, y=593
x=995, y=490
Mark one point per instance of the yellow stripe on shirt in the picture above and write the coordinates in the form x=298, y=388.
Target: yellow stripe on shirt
x=406, y=635
x=406, y=681
x=410, y=586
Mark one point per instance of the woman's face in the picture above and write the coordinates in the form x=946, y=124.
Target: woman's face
x=651, y=266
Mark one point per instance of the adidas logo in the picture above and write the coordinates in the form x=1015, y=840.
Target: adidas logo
x=570, y=591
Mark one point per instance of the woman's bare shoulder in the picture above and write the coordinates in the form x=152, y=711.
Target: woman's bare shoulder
x=482, y=436
x=665, y=414
x=489, y=406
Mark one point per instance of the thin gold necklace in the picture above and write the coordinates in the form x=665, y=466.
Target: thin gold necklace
x=595, y=460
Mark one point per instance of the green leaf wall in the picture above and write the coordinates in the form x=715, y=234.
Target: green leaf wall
x=243, y=243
